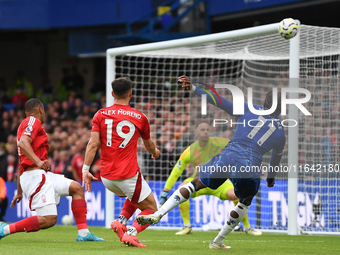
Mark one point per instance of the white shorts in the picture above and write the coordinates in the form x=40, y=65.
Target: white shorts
x=44, y=189
x=136, y=189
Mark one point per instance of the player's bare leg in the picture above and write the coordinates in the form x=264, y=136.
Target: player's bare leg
x=30, y=224
x=147, y=206
x=179, y=196
x=79, y=210
x=47, y=221
x=234, y=218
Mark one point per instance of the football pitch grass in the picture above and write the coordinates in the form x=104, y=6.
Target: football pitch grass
x=61, y=240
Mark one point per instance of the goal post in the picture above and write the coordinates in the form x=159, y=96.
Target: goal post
x=293, y=135
x=259, y=58
x=109, y=196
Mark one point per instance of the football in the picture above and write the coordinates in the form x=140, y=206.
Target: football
x=67, y=220
x=288, y=28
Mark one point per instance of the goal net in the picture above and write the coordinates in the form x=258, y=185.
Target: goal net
x=256, y=58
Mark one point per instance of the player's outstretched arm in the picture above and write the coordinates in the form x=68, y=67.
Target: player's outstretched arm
x=226, y=105
x=151, y=147
x=90, y=153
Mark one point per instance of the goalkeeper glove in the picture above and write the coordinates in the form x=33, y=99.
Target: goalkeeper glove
x=164, y=197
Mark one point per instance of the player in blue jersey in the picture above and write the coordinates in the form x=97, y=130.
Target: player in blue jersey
x=244, y=151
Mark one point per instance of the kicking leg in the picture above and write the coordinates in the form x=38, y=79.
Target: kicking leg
x=179, y=196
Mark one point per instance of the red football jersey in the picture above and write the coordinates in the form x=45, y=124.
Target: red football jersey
x=120, y=127
x=31, y=127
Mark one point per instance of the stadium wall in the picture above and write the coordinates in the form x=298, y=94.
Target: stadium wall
x=23, y=14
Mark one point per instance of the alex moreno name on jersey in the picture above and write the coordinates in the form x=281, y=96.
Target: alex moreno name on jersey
x=122, y=112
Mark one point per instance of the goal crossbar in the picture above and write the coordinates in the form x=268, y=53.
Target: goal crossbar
x=246, y=32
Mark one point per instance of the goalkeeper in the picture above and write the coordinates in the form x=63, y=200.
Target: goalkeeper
x=198, y=154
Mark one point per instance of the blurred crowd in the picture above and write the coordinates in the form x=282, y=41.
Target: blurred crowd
x=68, y=125
x=171, y=112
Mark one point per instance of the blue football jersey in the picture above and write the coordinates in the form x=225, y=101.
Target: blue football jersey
x=260, y=133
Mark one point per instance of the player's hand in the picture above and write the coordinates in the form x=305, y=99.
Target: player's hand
x=156, y=155
x=44, y=164
x=163, y=198
x=87, y=178
x=16, y=199
x=186, y=82
x=270, y=182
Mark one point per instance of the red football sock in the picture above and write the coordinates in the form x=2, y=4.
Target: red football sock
x=140, y=228
x=30, y=224
x=79, y=212
x=128, y=209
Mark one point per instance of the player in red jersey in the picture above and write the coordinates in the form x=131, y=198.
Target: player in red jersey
x=42, y=187
x=116, y=129
x=77, y=161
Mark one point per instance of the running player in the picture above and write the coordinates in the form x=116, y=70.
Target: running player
x=42, y=187
x=116, y=129
x=245, y=149
x=197, y=154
